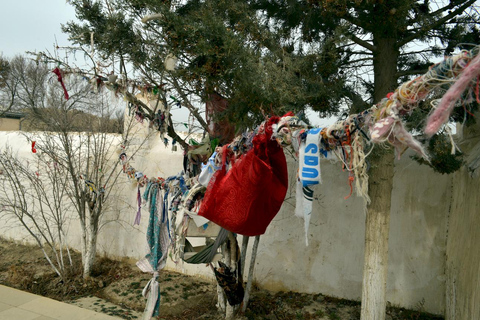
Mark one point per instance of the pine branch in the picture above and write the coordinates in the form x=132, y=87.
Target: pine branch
x=416, y=52
x=435, y=24
x=360, y=53
x=362, y=43
x=188, y=105
x=173, y=134
x=357, y=22
x=411, y=72
x=360, y=60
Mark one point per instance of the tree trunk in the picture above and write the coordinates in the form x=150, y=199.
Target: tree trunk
x=377, y=227
x=89, y=258
x=90, y=246
x=377, y=224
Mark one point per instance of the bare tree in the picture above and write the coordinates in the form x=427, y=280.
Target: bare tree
x=91, y=165
x=78, y=141
x=37, y=204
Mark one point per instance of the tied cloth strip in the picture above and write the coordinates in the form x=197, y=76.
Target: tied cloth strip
x=60, y=79
x=139, y=211
x=208, y=253
x=309, y=175
x=208, y=170
x=158, y=242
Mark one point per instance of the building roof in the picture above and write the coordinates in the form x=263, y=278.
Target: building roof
x=12, y=115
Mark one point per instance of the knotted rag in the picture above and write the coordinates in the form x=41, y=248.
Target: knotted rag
x=158, y=241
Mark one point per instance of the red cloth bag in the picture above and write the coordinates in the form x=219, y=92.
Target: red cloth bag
x=245, y=199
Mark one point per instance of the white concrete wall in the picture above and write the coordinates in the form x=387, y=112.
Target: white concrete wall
x=463, y=250
x=333, y=262
x=421, y=202
x=463, y=246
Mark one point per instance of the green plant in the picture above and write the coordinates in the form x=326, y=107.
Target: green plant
x=319, y=313
x=299, y=316
x=332, y=315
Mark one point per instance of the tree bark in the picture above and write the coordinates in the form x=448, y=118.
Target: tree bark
x=90, y=249
x=377, y=224
x=89, y=259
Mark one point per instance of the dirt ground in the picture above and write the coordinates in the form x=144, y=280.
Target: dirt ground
x=116, y=287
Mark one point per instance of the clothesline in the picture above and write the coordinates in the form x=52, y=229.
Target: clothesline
x=352, y=139
x=257, y=156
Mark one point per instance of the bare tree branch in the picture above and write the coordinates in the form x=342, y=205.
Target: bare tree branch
x=188, y=105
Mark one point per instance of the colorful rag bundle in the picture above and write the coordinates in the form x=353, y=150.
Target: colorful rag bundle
x=470, y=74
x=461, y=71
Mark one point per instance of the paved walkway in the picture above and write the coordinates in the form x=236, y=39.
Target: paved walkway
x=20, y=305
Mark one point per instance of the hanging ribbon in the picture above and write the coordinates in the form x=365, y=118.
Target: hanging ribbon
x=151, y=291
x=34, y=150
x=139, y=211
x=60, y=79
x=158, y=242
x=309, y=175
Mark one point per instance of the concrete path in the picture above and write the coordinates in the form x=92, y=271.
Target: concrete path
x=20, y=305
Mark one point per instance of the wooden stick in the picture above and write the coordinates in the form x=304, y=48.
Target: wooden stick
x=231, y=262
x=244, y=252
x=250, y=273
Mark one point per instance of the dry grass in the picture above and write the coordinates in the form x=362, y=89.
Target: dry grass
x=182, y=297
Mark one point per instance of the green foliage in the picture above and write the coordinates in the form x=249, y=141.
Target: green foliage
x=465, y=114
x=441, y=159
x=269, y=57
x=112, y=33
x=222, y=46
x=332, y=315
x=362, y=30
x=235, y=55
x=439, y=146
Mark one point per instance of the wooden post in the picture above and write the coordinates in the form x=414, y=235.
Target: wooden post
x=250, y=273
x=244, y=252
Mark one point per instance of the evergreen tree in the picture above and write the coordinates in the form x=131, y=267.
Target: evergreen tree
x=222, y=47
x=389, y=40
x=274, y=56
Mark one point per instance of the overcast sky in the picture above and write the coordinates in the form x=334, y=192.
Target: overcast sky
x=32, y=25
